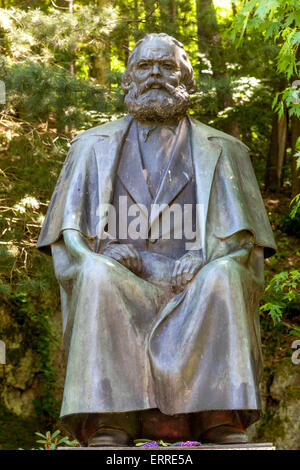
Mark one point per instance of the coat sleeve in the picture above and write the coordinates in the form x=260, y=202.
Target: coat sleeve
x=236, y=203
x=75, y=198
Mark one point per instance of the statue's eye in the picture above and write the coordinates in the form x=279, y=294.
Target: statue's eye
x=143, y=65
x=168, y=65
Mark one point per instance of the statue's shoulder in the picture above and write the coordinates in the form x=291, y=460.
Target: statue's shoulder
x=104, y=130
x=209, y=132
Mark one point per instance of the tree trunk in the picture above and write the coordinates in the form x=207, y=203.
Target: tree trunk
x=172, y=10
x=99, y=66
x=149, y=6
x=295, y=122
x=136, y=19
x=126, y=50
x=210, y=43
x=234, y=8
x=282, y=145
x=168, y=17
x=277, y=151
x=271, y=166
x=73, y=59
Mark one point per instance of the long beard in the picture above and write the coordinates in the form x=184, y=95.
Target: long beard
x=151, y=104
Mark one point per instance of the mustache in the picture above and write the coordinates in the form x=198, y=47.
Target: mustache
x=158, y=107
x=154, y=81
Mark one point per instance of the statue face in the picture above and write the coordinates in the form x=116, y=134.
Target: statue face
x=157, y=61
x=156, y=92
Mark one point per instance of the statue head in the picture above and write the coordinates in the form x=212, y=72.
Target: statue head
x=158, y=79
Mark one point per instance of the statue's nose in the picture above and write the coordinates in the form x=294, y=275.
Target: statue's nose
x=155, y=69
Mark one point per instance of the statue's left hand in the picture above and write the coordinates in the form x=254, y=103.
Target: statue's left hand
x=185, y=269
x=125, y=254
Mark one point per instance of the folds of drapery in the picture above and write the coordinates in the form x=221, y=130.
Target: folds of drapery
x=133, y=345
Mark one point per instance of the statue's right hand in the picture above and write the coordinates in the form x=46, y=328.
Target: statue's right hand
x=125, y=254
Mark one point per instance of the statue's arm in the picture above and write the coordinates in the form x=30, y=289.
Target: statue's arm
x=126, y=255
x=76, y=245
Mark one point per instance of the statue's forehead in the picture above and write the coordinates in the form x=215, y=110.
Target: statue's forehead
x=156, y=49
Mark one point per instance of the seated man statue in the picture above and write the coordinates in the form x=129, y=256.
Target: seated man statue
x=158, y=234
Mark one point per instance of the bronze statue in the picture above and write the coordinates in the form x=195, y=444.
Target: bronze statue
x=160, y=323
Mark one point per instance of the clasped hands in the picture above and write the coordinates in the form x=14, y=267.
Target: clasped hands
x=184, y=270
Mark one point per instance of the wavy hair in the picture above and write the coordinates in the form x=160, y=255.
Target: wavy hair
x=186, y=68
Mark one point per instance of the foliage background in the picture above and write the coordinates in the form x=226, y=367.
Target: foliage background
x=62, y=63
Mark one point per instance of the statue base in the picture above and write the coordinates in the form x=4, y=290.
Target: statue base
x=249, y=446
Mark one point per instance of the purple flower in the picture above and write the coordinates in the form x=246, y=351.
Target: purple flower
x=189, y=444
x=150, y=444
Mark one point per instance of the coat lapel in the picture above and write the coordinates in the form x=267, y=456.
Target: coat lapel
x=131, y=171
x=206, y=154
x=107, y=151
x=178, y=173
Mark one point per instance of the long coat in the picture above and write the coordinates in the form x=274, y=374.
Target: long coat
x=131, y=347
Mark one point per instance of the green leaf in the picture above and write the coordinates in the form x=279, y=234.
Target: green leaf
x=274, y=310
x=295, y=332
x=262, y=10
x=142, y=441
x=296, y=38
x=163, y=443
x=72, y=443
x=243, y=28
x=41, y=435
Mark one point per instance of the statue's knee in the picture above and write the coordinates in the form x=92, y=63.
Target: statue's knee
x=213, y=274
x=225, y=266
x=219, y=268
x=91, y=270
